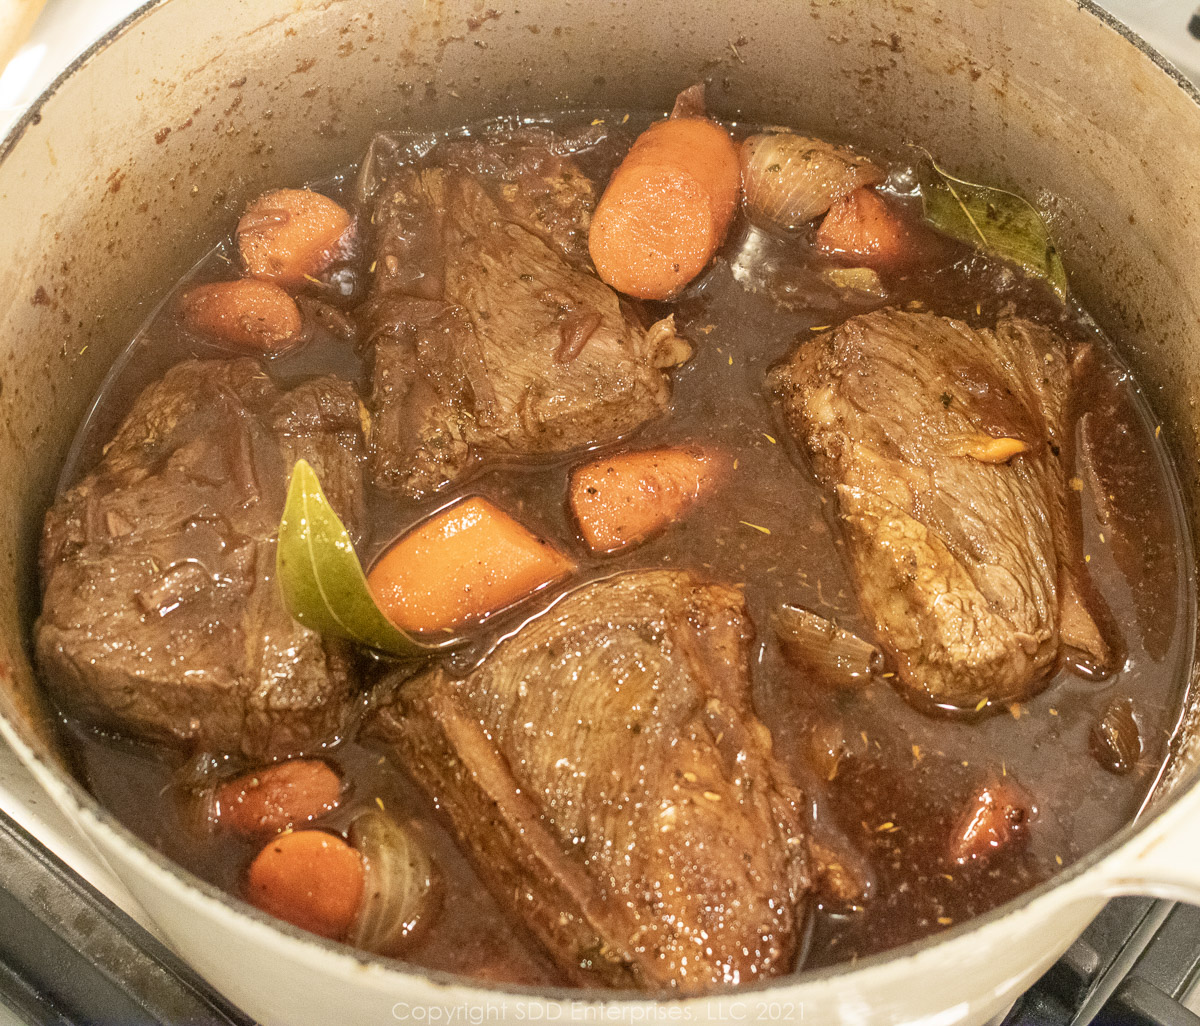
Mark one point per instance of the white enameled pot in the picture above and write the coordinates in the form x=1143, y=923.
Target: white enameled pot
x=152, y=142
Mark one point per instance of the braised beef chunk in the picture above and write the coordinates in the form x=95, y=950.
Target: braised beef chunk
x=945, y=446
x=614, y=788
x=488, y=332
x=530, y=168
x=161, y=618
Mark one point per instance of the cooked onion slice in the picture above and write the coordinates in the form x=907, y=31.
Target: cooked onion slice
x=788, y=179
x=402, y=885
x=831, y=654
x=859, y=279
x=1115, y=741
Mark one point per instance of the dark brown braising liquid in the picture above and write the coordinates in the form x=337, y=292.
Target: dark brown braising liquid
x=886, y=779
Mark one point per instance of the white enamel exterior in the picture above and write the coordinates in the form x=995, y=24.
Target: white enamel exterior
x=98, y=204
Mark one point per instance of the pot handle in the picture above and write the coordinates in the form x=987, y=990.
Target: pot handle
x=1163, y=860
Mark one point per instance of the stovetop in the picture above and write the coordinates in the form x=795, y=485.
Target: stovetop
x=1136, y=965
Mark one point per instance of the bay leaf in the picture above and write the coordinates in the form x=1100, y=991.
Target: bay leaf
x=997, y=221
x=321, y=579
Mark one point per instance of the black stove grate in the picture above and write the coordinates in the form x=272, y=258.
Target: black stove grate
x=69, y=956
x=1133, y=966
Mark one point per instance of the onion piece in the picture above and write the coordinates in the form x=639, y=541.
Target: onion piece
x=690, y=103
x=831, y=654
x=1115, y=740
x=195, y=792
x=402, y=887
x=789, y=179
x=859, y=279
x=840, y=872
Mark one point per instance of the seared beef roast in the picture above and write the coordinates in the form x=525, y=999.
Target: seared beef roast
x=606, y=772
x=959, y=542
x=488, y=331
x=161, y=618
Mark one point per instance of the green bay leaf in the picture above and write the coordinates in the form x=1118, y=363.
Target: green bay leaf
x=321, y=579
x=997, y=221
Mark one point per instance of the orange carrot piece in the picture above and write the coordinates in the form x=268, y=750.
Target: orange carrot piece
x=624, y=499
x=251, y=314
x=288, y=235
x=276, y=797
x=310, y=879
x=863, y=226
x=666, y=208
x=461, y=565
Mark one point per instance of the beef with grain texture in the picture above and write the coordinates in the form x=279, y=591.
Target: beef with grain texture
x=945, y=445
x=488, y=332
x=161, y=618
x=606, y=772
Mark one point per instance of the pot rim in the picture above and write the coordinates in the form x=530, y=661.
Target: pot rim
x=54, y=778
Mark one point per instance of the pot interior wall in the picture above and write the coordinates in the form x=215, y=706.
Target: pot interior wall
x=112, y=189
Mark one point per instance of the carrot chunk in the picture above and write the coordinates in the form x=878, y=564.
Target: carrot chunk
x=289, y=234
x=277, y=797
x=310, y=879
x=863, y=226
x=624, y=499
x=461, y=565
x=666, y=208
x=250, y=314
